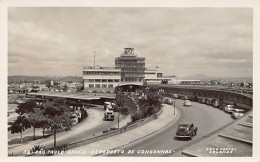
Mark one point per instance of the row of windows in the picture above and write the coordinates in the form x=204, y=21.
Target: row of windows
x=102, y=80
x=101, y=85
x=131, y=80
x=130, y=65
x=130, y=60
x=100, y=73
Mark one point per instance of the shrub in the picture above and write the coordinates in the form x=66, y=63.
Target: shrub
x=135, y=117
x=37, y=149
x=125, y=111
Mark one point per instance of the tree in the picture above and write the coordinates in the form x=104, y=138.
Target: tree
x=37, y=120
x=151, y=103
x=58, y=116
x=120, y=101
x=26, y=107
x=58, y=123
x=65, y=88
x=20, y=125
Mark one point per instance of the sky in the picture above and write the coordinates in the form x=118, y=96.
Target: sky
x=180, y=41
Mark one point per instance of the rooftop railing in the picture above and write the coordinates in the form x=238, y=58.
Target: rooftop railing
x=239, y=90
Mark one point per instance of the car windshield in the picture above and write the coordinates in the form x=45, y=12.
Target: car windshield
x=183, y=129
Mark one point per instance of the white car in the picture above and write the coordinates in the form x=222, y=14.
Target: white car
x=238, y=113
x=186, y=103
x=229, y=108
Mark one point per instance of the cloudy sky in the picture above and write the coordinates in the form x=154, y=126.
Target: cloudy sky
x=181, y=41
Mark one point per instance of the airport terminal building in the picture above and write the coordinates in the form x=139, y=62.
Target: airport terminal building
x=129, y=70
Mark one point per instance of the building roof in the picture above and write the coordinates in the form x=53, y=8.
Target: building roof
x=100, y=68
x=130, y=57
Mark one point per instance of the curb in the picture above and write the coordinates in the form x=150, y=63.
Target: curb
x=177, y=112
x=215, y=132
x=115, y=132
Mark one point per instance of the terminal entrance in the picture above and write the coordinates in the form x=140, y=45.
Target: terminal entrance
x=128, y=88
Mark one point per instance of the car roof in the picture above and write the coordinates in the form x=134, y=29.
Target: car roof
x=185, y=124
x=239, y=109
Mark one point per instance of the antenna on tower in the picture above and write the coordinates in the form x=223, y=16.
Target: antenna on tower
x=94, y=58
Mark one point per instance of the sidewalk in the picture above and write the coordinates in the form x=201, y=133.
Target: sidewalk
x=95, y=118
x=125, y=138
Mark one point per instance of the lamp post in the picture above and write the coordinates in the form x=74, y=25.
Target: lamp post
x=118, y=100
x=174, y=105
x=118, y=119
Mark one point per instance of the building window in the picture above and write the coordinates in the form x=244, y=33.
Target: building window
x=104, y=86
x=97, y=85
x=110, y=80
x=91, y=85
x=110, y=85
x=97, y=80
x=117, y=80
x=104, y=80
x=91, y=80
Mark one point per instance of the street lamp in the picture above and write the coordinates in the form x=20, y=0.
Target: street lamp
x=118, y=119
x=174, y=105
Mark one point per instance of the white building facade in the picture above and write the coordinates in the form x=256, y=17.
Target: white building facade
x=96, y=78
x=129, y=70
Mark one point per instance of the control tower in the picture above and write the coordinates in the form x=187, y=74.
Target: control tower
x=132, y=67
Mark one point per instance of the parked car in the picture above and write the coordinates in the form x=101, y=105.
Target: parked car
x=186, y=103
x=175, y=96
x=169, y=101
x=216, y=103
x=229, y=108
x=222, y=106
x=210, y=101
x=185, y=97
x=203, y=100
x=186, y=130
x=236, y=113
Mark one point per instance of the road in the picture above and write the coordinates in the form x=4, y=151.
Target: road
x=207, y=119
x=93, y=126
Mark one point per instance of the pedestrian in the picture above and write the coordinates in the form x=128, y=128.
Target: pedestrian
x=235, y=105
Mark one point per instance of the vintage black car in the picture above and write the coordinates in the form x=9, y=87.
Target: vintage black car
x=186, y=130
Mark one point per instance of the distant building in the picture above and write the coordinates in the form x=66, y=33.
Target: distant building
x=155, y=77
x=189, y=82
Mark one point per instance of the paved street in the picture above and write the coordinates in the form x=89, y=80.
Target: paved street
x=207, y=119
x=94, y=125
x=116, y=141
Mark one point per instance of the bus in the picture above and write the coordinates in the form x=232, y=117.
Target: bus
x=109, y=115
x=106, y=104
